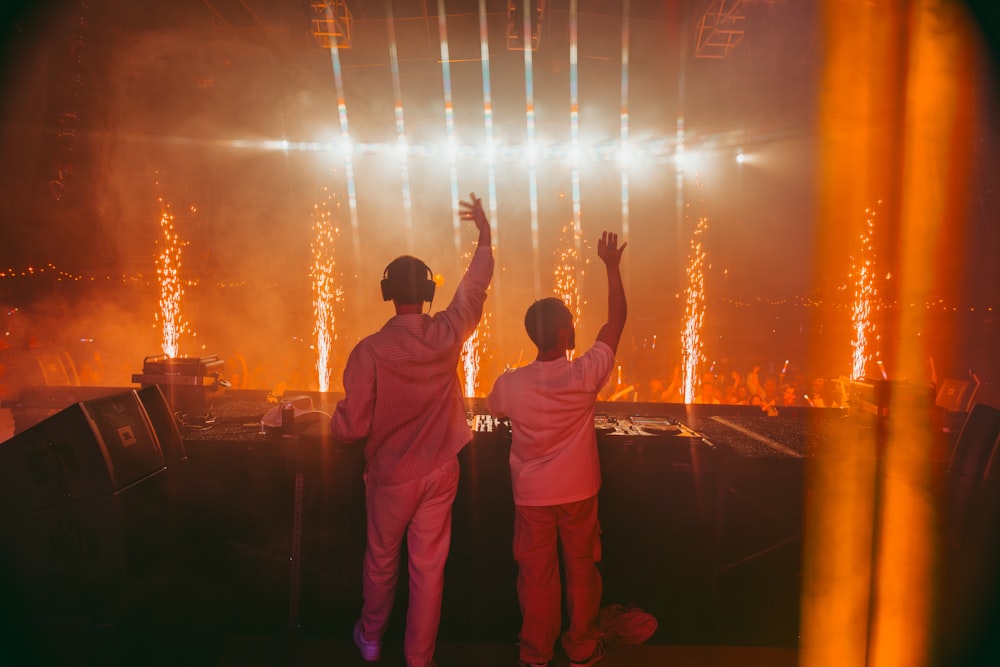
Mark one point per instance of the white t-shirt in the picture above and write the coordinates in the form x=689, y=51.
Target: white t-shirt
x=553, y=454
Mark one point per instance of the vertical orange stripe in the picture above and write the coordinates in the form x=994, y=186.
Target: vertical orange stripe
x=860, y=97
x=936, y=158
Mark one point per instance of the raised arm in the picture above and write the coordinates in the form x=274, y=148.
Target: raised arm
x=466, y=307
x=609, y=252
x=473, y=210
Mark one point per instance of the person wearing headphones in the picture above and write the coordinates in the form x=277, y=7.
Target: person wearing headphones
x=404, y=399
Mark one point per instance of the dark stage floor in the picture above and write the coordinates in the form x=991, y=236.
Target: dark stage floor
x=241, y=652
x=249, y=552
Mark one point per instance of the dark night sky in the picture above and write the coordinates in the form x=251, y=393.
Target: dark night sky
x=160, y=92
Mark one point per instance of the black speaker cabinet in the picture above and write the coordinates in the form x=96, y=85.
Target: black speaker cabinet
x=164, y=425
x=976, y=442
x=952, y=395
x=90, y=449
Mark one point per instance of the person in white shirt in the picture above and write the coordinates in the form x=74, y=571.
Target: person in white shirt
x=555, y=471
x=404, y=399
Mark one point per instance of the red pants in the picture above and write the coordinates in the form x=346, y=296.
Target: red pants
x=420, y=510
x=536, y=533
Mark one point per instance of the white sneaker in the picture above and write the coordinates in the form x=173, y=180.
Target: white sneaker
x=370, y=651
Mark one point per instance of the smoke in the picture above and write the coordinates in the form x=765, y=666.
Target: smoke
x=193, y=116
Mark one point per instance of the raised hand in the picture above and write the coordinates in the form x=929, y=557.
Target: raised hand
x=611, y=254
x=473, y=210
x=608, y=250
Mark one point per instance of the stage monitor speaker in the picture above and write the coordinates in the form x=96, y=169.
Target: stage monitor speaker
x=57, y=368
x=952, y=395
x=164, y=425
x=976, y=442
x=87, y=450
x=992, y=474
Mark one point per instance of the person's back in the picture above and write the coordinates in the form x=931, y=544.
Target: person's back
x=403, y=398
x=412, y=360
x=555, y=470
x=550, y=404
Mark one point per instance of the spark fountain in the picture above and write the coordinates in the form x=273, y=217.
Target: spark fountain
x=325, y=294
x=472, y=354
x=694, y=311
x=567, y=272
x=168, y=265
x=863, y=274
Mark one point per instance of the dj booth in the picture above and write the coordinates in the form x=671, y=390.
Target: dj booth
x=241, y=528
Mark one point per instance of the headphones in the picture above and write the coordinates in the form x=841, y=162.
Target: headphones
x=408, y=280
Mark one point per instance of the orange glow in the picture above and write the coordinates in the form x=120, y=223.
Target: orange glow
x=168, y=265
x=893, y=118
x=471, y=358
x=326, y=294
x=567, y=270
x=694, y=312
x=863, y=273
x=567, y=288
x=857, y=108
x=937, y=138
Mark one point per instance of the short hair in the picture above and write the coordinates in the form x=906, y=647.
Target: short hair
x=544, y=319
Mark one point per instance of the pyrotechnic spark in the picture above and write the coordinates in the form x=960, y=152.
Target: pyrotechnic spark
x=863, y=273
x=326, y=294
x=472, y=353
x=694, y=311
x=472, y=357
x=567, y=271
x=470, y=364
x=168, y=266
x=346, y=143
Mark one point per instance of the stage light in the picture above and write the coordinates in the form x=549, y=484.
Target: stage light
x=685, y=160
x=531, y=152
x=575, y=154
x=624, y=154
x=741, y=158
x=490, y=150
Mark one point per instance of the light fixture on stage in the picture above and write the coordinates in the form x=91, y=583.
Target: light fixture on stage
x=685, y=160
x=524, y=17
x=190, y=384
x=721, y=27
x=331, y=25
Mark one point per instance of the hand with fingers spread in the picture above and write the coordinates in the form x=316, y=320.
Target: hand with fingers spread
x=473, y=210
x=611, y=254
x=608, y=250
